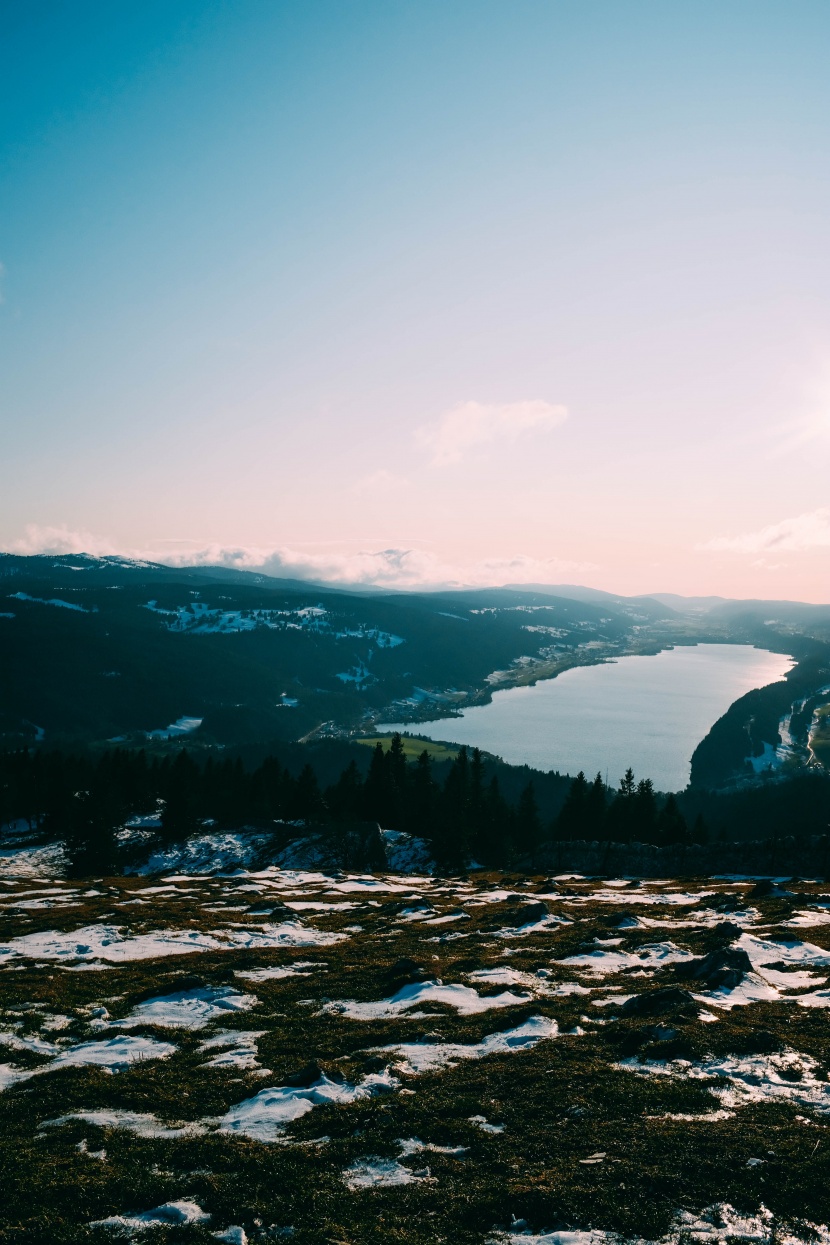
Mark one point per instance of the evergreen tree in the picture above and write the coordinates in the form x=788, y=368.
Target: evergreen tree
x=528, y=827
x=93, y=818
x=621, y=819
x=346, y=798
x=671, y=825
x=422, y=807
x=570, y=824
x=644, y=812
x=378, y=791
x=307, y=802
x=493, y=842
x=453, y=842
x=700, y=831
x=180, y=815
x=595, y=809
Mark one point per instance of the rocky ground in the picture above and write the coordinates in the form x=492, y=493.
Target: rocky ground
x=286, y=1055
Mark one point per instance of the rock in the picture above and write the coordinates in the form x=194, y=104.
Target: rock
x=765, y=888
x=724, y=968
x=722, y=902
x=352, y=846
x=406, y=970
x=528, y=912
x=310, y=1075
x=658, y=1002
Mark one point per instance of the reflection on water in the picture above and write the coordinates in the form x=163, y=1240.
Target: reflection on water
x=646, y=712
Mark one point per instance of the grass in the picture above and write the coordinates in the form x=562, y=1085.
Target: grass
x=414, y=745
x=559, y=1102
x=820, y=738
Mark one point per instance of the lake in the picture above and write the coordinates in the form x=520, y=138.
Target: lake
x=646, y=712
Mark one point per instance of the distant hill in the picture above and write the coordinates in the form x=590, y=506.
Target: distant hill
x=114, y=649
x=654, y=606
x=108, y=648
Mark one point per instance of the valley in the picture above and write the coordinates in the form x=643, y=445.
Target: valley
x=108, y=651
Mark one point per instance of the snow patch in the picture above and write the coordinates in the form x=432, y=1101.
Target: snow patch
x=605, y=963
x=171, y=1214
x=787, y=1076
x=236, y=1049
x=465, y=1000
x=140, y=1123
x=114, y=945
x=405, y=853
x=188, y=1009
x=266, y=1116
x=34, y=862
x=417, y=1058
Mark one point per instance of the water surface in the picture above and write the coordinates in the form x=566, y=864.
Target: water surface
x=646, y=712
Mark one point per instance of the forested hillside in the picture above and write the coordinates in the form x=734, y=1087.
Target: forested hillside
x=103, y=649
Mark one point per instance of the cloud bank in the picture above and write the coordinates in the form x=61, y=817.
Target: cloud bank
x=480, y=423
x=59, y=540
x=385, y=568
x=804, y=531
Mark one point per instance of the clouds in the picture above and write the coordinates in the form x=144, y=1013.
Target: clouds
x=803, y=532
x=479, y=423
x=399, y=569
x=58, y=540
x=393, y=568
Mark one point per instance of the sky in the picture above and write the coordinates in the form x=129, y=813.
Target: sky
x=415, y=293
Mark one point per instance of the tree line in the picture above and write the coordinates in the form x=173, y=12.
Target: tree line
x=86, y=800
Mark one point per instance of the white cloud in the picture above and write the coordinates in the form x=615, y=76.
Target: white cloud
x=804, y=531
x=38, y=539
x=481, y=423
x=385, y=568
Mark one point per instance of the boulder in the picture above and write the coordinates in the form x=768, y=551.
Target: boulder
x=658, y=1002
x=722, y=969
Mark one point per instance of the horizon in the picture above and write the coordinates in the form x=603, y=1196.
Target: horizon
x=415, y=297
x=346, y=585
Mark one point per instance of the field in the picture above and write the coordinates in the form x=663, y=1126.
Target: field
x=414, y=745
x=283, y=1056
x=820, y=737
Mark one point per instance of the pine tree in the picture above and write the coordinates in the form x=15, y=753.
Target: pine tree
x=596, y=809
x=422, y=807
x=494, y=838
x=528, y=827
x=453, y=841
x=180, y=815
x=308, y=802
x=345, y=798
x=644, y=812
x=621, y=819
x=671, y=828
x=378, y=792
x=570, y=824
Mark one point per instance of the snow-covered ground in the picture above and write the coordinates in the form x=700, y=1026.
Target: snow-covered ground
x=390, y=1035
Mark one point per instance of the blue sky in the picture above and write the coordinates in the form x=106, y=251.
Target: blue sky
x=421, y=292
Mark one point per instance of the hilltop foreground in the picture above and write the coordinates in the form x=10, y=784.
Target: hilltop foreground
x=282, y=1055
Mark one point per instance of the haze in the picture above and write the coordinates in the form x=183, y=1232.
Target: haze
x=419, y=293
